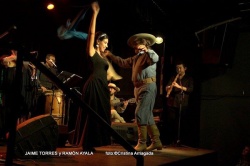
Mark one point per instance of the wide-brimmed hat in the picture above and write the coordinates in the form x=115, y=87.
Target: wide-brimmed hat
x=112, y=85
x=147, y=36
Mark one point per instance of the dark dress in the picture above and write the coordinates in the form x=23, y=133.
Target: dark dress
x=89, y=132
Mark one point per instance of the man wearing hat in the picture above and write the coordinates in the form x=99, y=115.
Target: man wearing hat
x=143, y=65
x=116, y=105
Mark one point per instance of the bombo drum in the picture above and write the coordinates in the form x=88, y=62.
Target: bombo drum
x=55, y=105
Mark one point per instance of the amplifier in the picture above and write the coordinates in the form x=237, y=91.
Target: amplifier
x=128, y=131
x=36, y=134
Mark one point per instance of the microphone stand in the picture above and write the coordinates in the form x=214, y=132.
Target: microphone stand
x=53, y=92
x=4, y=34
x=35, y=89
x=52, y=100
x=178, y=142
x=7, y=32
x=179, y=119
x=54, y=95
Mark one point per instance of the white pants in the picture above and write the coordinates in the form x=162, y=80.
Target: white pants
x=115, y=117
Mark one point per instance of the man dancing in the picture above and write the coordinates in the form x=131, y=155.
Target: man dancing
x=143, y=65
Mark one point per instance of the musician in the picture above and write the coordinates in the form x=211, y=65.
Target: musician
x=117, y=106
x=43, y=81
x=178, y=89
x=44, y=84
x=8, y=90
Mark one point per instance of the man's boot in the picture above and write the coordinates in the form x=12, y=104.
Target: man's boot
x=154, y=135
x=142, y=138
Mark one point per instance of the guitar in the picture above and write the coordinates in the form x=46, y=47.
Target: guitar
x=120, y=104
x=131, y=100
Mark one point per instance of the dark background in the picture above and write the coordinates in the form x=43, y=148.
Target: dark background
x=180, y=23
x=212, y=36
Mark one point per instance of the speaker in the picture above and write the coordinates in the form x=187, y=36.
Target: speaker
x=36, y=136
x=128, y=131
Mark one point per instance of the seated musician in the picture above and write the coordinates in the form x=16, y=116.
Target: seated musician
x=45, y=85
x=43, y=81
x=117, y=106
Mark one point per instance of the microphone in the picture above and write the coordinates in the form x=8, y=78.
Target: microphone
x=12, y=28
x=53, y=63
x=33, y=52
x=8, y=31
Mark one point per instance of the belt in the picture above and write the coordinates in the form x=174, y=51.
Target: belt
x=144, y=81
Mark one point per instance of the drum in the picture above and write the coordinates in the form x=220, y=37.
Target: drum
x=55, y=105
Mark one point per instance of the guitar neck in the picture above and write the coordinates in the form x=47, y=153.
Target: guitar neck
x=131, y=100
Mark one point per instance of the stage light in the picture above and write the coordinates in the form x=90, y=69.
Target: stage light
x=50, y=6
x=158, y=40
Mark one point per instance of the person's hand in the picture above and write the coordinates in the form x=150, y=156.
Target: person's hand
x=32, y=66
x=9, y=61
x=167, y=88
x=175, y=84
x=106, y=53
x=95, y=7
x=140, y=49
x=125, y=104
x=43, y=89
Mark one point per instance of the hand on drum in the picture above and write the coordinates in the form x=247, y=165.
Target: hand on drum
x=44, y=89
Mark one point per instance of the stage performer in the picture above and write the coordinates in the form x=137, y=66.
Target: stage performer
x=143, y=65
x=88, y=132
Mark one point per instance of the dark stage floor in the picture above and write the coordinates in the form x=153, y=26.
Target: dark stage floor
x=169, y=155
x=42, y=132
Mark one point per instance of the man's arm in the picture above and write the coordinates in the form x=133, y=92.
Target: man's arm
x=39, y=83
x=154, y=57
x=124, y=63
